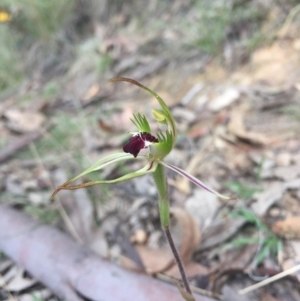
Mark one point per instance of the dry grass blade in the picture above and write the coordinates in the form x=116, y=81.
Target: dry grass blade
x=62, y=210
x=161, y=260
x=183, y=184
x=10, y=296
x=292, y=14
x=194, y=289
x=270, y=280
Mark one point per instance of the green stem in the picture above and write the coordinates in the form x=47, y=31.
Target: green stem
x=162, y=188
x=164, y=212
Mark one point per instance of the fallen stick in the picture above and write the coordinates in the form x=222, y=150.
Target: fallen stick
x=70, y=270
x=21, y=142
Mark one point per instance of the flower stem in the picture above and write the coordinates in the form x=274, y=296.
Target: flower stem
x=177, y=260
x=164, y=212
x=163, y=202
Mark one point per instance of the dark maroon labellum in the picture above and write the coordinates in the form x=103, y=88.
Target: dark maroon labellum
x=138, y=142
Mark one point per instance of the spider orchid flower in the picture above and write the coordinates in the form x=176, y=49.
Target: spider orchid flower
x=159, y=147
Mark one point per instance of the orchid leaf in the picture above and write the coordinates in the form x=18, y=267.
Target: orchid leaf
x=193, y=179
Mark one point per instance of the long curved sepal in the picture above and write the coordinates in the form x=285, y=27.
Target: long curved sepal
x=150, y=167
x=162, y=116
x=108, y=160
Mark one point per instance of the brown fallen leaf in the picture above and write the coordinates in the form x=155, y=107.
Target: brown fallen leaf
x=162, y=260
x=268, y=297
x=288, y=228
x=236, y=259
x=292, y=257
x=203, y=207
x=287, y=173
x=274, y=64
x=190, y=235
x=8, y=151
x=23, y=122
x=104, y=126
x=144, y=70
x=236, y=126
x=192, y=269
x=191, y=94
x=90, y=93
x=232, y=261
x=272, y=193
x=222, y=101
x=155, y=261
x=219, y=231
x=127, y=248
x=117, y=122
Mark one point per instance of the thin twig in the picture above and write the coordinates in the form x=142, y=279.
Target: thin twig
x=10, y=296
x=15, y=146
x=270, y=280
x=61, y=209
x=194, y=289
x=253, y=263
x=293, y=12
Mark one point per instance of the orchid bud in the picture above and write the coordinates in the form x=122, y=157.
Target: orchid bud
x=159, y=115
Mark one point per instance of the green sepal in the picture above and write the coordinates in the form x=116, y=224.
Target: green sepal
x=166, y=112
x=108, y=160
x=149, y=168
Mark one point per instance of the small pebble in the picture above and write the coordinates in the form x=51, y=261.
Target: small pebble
x=139, y=237
x=283, y=159
x=275, y=212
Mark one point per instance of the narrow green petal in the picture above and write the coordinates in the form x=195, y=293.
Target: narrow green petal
x=194, y=180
